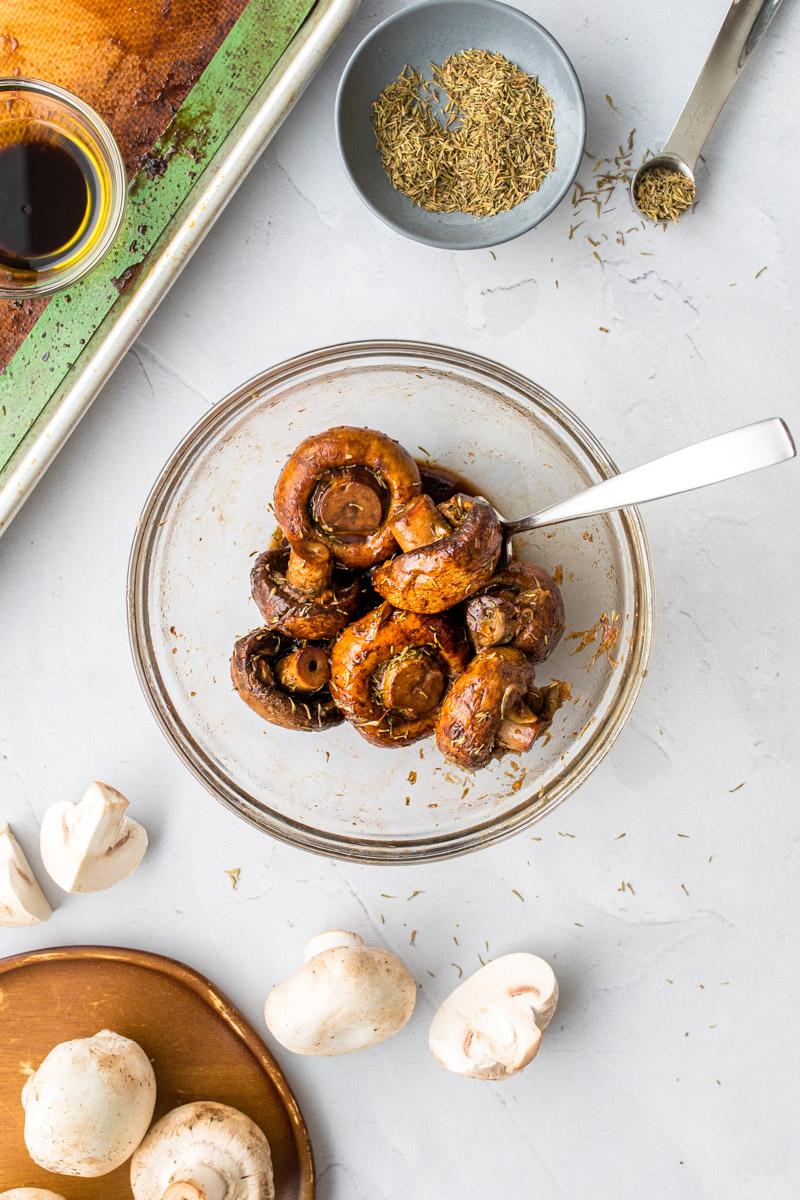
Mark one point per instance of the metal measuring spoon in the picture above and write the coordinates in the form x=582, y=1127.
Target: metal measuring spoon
x=741, y=31
x=750, y=448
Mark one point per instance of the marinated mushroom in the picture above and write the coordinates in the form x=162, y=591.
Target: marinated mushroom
x=390, y=670
x=285, y=682
x=301, y=593
x=490, y=708
x=89, y=1105
x=92, y=845
x=203, y=1151
x=491, y=1026
x=344, y=488
x=346, y=997
x=450, y=552
x=522, y=606
x=22, y=901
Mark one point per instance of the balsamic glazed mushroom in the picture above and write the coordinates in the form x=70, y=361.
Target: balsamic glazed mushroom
x=489, y=709
x=522, y=607
x=451, y=552
x=300, y=594
x=285, y=682
x=390, y=669
x=344, y=487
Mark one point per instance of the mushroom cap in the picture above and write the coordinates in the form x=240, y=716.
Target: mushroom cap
x=436, y=577
x=90, y=846
x=296, y=613
x=254, y=657
x=29, y=1194
x=345, y=998
x=208, y=1138
x=473, y=709
x=491, y=1026
x=22, y=901
x=340, y=450
x=537, y=604
x=89, y=1105
x=370, y=644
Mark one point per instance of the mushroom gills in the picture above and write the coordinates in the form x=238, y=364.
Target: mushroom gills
x=491, y=1026
x=203, y=1151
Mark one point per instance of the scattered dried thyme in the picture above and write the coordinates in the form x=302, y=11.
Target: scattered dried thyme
x=663, y=195
x=478, y=138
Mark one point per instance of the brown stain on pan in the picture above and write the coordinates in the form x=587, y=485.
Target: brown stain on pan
x=134, y=62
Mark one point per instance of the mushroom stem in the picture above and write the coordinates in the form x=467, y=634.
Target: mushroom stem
x=306, y=669
x=349, y=503
x=310, y=566
x=518, y=730
x=491, y=621
x=418, y=524
x=411, y=683
x=203, y=1183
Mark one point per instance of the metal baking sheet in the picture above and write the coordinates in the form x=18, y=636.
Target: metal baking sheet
x=226, y=120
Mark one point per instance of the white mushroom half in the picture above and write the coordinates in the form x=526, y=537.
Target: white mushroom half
x=347, y=996
x=22, y=901
x=491, y=1026
x=203, y=1151
x=29, y=1194
x=89, y=1105
x=90, y=846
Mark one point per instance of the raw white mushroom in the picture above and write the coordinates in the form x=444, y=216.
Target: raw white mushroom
x=22, y=901
x=90, y=846
x=29, y=1194
x=203, y=1151
x=89, y=1105
x=491, y=1026
x=347, y=996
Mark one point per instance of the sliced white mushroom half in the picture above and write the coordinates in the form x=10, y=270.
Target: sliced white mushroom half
x=90, y=846
x=22, y=901
x=347, y=996
x=491, y=1026
x=89, y=1105
x=203, y=1151
x=29, y=1194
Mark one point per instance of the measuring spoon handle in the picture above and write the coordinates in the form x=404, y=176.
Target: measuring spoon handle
x=763, y=444
x=741, y=31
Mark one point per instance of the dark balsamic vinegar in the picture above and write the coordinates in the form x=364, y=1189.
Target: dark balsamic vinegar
x=48, y=190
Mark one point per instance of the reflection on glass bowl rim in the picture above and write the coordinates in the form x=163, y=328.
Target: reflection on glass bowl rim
x=188, y=600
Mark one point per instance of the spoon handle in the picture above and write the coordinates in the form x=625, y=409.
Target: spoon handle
x=741, y=31
x=748, y=449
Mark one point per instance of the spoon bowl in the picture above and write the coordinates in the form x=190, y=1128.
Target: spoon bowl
x=664, y=161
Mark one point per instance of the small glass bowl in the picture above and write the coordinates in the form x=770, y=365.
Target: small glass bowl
x=32, y=101
x=210, y=512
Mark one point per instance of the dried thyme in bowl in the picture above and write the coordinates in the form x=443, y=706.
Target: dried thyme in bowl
x=662, y=194
x=478, y=138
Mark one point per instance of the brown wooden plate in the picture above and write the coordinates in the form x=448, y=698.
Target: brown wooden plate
x=201, y=1047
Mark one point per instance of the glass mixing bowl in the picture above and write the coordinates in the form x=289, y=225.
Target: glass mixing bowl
x=210, y=512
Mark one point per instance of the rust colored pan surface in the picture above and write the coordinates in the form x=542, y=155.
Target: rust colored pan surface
x=200, y=1045
x=134, y=62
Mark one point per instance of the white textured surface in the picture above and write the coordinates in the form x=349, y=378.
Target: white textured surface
x=670, y=1068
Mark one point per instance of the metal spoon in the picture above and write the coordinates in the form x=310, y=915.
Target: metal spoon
x=741, y=32
x=763, y=444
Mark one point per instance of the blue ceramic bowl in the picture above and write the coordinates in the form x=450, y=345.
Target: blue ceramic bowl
x=430, y=32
